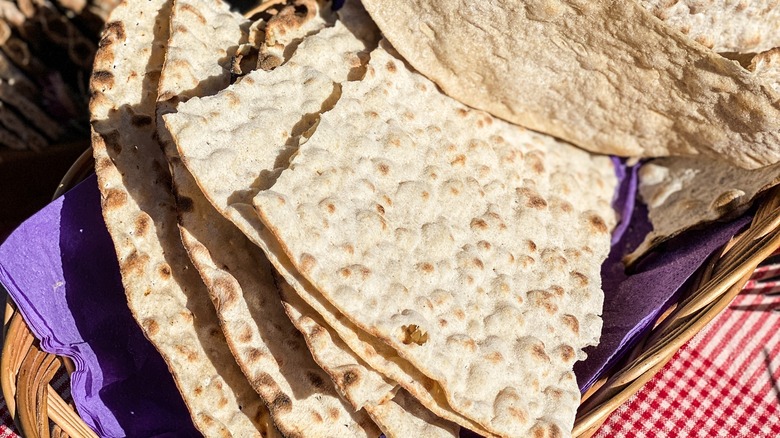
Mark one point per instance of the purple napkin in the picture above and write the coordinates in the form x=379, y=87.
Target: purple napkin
x=633, y=302
x=60, y=268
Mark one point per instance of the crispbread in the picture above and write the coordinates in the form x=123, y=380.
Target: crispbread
x=723, y=25
x=397, y=414
x=271, y=352
x=418, y=422
x=604, y=75
x=682, y=193
x=470, y=246
x=285, y=107
x=766, y=65
x=358, y=384
x=164, y=292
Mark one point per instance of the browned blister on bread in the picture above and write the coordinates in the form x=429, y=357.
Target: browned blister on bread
x=164, y=292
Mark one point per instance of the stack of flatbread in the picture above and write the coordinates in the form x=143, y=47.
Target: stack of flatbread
x=320, y=242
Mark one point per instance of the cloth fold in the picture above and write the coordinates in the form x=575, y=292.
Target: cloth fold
x=61, y=270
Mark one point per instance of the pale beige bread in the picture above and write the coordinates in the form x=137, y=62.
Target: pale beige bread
x=272, y=354
x=164, y=292
x=683, y=193
x=470, y=246
x=302, y=296
x=203, y=37
x=419, y=422
x=270, y=349
x=237, y=270
x=740, y=26
x=287, y=27
x=766, y=65
x=347, y=370
x=401, y=415
x=604, y=75
x=275, y=109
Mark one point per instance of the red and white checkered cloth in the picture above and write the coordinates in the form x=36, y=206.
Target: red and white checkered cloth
x=725, y=382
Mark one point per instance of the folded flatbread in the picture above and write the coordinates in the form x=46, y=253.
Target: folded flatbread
x=604, y=75
x=683, y=193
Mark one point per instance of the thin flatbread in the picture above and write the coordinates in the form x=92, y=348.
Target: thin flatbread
x=766, y=65
x=419, y=422
x=470, y=246
x=164, y=292
x=277, y=110
x=232, y=266
x=271, y=352
x=604, y=75
x=401, y=416
x=723, y=25
x=683, y=193
x=688, y=192
x=279, y=116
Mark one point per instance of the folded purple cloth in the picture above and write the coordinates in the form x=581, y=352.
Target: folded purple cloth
x=633, y=302
x=61, y=270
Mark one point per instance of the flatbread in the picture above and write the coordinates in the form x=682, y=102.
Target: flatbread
x=164, y=292
x=463, y=242
x=418, y=422
x=766, y=65
x=231, y=268
x=723, y=25
x=604, y=75
x=272, y=354
x=683, y=193
x=401, y=416
x=277, y=109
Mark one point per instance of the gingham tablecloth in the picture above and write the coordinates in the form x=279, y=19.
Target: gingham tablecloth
x=725, y=382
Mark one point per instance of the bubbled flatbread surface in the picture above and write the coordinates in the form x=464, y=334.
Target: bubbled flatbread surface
x=227, y=276
x=604, y=75
x=271, y=352
x=254, y=127
x=470, y=246
x=683, y=193
x=164, y=292
x=741, y=26
x=397, y=413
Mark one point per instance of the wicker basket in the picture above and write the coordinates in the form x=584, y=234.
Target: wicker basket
x=26, y=371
